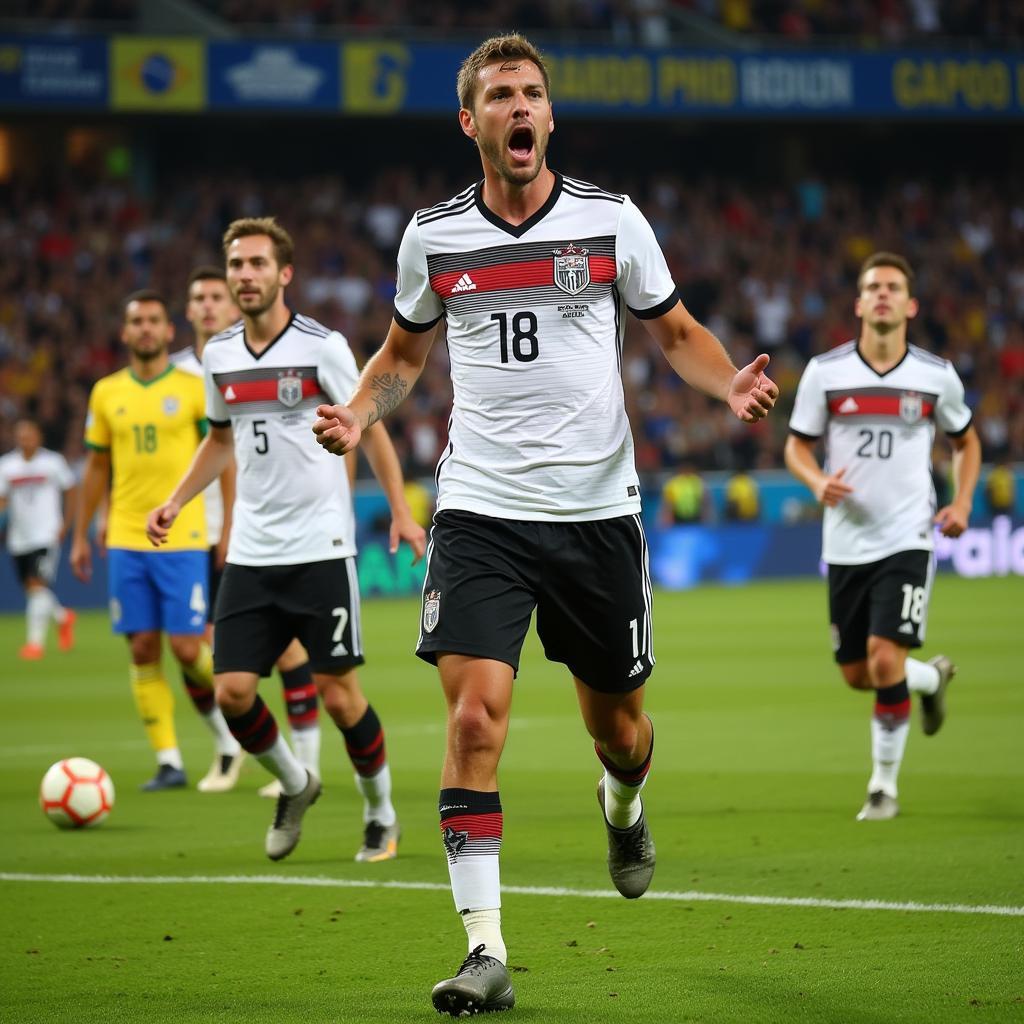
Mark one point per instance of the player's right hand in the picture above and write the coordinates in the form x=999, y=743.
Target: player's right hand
x=81, y=559
x=831, y=490
x=337, y=428
x=160, y=521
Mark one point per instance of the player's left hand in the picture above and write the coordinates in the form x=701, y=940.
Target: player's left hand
x=951, y=520
x=404, y=527
x=751, y=394
x=160, y=521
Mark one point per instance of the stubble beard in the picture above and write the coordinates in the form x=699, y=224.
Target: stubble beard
x=518, y=176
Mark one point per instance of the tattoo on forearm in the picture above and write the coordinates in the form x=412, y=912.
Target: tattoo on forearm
x=388, y=391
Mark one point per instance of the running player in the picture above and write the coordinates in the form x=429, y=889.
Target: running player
x=877, y=401
x=37, y=490
x=209, y=310
x=143, y=427
x=291, y=556
x=538, y=498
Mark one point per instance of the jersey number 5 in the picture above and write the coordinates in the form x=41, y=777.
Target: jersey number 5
x=525, y=347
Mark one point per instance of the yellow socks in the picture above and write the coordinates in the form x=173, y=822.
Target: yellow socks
x=155, y=703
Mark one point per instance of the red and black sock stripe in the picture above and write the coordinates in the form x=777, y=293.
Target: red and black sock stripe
x=365, y=743
x=201, y=696
x=892, y=705
x=628, y=776
x=471, y=823
x=300, y=696
x=255, y=729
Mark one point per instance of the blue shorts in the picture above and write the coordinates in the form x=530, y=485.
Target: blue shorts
x=166, y=590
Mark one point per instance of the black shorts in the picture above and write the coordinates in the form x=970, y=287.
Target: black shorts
x=887, y=598
x=215, y=578
x=40, y=564
x=262, y=608
x=589, y=583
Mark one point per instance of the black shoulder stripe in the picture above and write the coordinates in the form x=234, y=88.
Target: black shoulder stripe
x=836, y=353
x=231, y=332
x=606, y=196
x=309, y=333
x=429, y=217
x=455, y=200
x=313, y=325
x=927, y=357
x=586, y=186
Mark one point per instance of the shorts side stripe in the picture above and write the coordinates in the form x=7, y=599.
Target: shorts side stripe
x=929, y=580
x=355, y=611
x=648, y=592
x=426, y=576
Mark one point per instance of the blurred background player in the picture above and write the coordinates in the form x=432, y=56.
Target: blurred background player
x=37, y=492
x=877, y=401
x=209, y=310
x=143, y=427
x=291, y=566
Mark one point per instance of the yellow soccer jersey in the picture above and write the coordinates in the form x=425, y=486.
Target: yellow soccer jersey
x=151, y=429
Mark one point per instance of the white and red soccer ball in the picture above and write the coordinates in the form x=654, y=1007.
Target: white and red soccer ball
x=76, y=793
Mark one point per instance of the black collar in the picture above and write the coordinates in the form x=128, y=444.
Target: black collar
x=518, y=230
x=273, y=341
x=882, y=373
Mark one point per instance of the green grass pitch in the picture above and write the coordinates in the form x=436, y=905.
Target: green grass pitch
x=761, y=761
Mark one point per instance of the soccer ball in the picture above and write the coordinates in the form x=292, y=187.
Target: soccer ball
x=76, y=793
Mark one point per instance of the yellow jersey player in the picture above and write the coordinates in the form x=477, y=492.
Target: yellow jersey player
x=143, y=427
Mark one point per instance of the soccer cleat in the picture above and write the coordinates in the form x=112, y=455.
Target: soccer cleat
x=631, y=857
x=482, y=985
x=272, y=790
x=933, y=705
x=66, y=631
x=223, y=773
x=879, y=807
x=30, y=652
x=167, y=777
x=380, y=842
x=283, y=834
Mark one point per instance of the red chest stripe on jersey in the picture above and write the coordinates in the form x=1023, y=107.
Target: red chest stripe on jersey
x=239, y=392
x=527, y=274
x=853, y=404
x=20, y=481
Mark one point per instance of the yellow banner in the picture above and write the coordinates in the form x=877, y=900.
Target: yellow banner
x=157, y=73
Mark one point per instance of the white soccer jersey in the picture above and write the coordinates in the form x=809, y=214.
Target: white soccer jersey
x=535, y=318
x=213, y=500
x=880, y=427
x=292, y=502
x=34, y=489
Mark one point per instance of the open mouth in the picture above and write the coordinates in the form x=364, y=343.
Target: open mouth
x=520, y=143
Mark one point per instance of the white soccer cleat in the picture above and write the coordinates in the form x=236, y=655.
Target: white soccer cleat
x=223, y=773
x=933, y=705
x=283, y=834
x=879, y=807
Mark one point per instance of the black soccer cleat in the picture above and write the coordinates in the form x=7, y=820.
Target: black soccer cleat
x=481, y=985
x=167, y=777
x=631, y=855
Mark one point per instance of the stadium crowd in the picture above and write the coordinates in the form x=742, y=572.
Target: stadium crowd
x=767, y=268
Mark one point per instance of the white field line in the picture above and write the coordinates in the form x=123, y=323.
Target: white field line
x=811, y=902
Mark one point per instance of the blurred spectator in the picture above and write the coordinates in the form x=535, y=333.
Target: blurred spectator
x=1001, y=490
x=742, y=499
x=684, y=498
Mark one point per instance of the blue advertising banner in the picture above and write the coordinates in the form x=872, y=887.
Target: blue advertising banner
x=268, y=76
x=58, y=73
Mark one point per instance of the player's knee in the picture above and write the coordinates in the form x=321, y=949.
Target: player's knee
x=886, y=662
x=234, y=697
x=185, y=648
x=856, y=675
x=145, y=648
x=473, y=728
x=342, y=699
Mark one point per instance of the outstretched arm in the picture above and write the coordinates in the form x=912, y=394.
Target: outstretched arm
x=952, y=519
x=828, y=489
x=95, y=480
x=383, y=459
x=212, y=457
x=385, y=381
x=698, y=358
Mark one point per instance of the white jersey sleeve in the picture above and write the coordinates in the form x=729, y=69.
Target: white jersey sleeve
x=337, y=371
x=417, y=306
x=643, y=276
x=810, y=408
x=952, y=413
x=218, y=414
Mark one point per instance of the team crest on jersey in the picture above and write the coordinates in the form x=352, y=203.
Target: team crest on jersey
x=431, y=610
x=170, y=405
x=910, y=407
x=572, y=269
x=289, y=390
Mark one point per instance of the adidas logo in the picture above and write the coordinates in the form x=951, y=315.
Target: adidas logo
x=229, y=394
x=907, y=627
x=464, y=284
x=636, y=669
x=849, y=405
x=338, y=650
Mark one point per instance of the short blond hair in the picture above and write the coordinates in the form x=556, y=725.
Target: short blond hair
x=245, y=227
x=490, y=51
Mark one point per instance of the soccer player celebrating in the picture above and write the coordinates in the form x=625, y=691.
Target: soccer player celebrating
x=209, y=310
x=291, y=555
x=143, y=426
x=877, y=401
x=33, y=480
x=538, y=497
